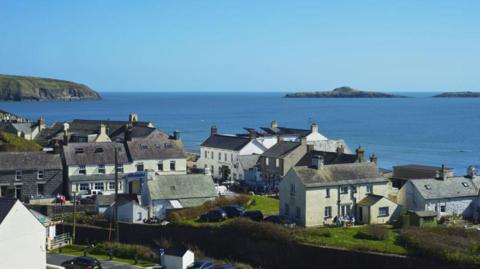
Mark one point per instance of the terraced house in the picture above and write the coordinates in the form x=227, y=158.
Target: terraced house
x=28, y=175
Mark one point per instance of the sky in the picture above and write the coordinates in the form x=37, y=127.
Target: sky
x=242, y=45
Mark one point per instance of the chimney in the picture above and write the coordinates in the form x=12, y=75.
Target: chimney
x=317, y=161
x=360, y=154
x=340, y=150
x=442, y=174
x=310, y=147
x=176, y=135
x=132, y=118
x=274, y=124
x=128, y=132
x=373, y=158
x=103, y=129
x=472, y=172
x=66, y=126
x=213, y=130
x=252, y=134
x=41, y=123
x=314, y=128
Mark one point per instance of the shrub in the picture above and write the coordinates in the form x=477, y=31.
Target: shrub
x=125, y=251
x=373, y=232
x=260, y=230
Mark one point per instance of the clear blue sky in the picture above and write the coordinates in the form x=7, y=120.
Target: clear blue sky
x=260, y=45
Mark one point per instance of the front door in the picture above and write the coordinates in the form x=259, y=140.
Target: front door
x=360, y=214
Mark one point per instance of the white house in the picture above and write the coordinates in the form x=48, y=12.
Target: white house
x=444, y=195
x=178, y=258
x=22, y=237
x=129, y=209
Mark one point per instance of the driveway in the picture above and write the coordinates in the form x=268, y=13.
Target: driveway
x=57, y=259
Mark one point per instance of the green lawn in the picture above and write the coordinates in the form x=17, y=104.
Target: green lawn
x=269, y=206
x=77, y=250
x=345, y=238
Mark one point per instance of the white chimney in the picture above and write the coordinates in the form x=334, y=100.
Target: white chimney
x=472, y=172
x=314, y=128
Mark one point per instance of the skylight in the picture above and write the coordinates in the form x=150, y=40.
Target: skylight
x=428, y=187
x=465, y=184
x=98, y=150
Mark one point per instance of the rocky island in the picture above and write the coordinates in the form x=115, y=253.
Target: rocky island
x=468, y=94
x=342, y=92
x=23, y=88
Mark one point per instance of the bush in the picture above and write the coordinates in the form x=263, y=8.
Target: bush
x=191, y=213
x=260, y=230
x=82, y=218
x=125, y=251
x=373, y=232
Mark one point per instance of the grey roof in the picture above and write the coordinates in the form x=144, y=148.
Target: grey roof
x=5, y=206
x=136, y=132
x=95, y=177
x=339, y=174
x=173, y=187
x=29, y=161
x=94, y=153
x=281, y=149
x=286, y=131
x=248, y=161
x=421, y=167
x=24, y=127
x=104, y=200
x=328, y=158
x=449, y=188
x=155, y=148
x=370, y=199
x=424, y=214
x=229, y=142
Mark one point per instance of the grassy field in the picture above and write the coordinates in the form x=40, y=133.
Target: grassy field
x=10, y=142
x=269, y=206
x=77, y=250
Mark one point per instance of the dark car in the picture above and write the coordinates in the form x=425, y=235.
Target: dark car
x=233, y=210
x=255, y=215
x=87, y=201
x=152, y=220
x=202, y=264
x=224, y=266
x=82, y=263
x=280, y=220
x=216, y=215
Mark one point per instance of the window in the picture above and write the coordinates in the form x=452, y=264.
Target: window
x=144, y=146
x=225, y=156
x=277, y=162
x=111, y=185
x=160, y=166
x=158, y=146
x=298, y=212
x=235, y=176
x=219, y=156
x=139, y=216
x=343, y=190
x=101, y=169
x=428, y=187
x=140, y=167
x=206, y=154
x=83, y=186
x=231, y=157
x=40, y=174
x=99, y=186
x=292, y=189
x=354, y=189
x=98, y=150
x=18, y=175
x=443, y=208
x=211, y=155
x=172, y=165
x=266, y=161
x=120, y=168
x=383, y=211
x=212, y=170
x=40, y=189
x=287, y=209
x=327, y=190
x=328, y=212
x=345, y=210
x=369, y=188
x=82, y=170
x=79, y=150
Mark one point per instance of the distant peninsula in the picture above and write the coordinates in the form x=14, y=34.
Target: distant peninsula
x=342, y=92
x=467, y=94
x=23, y=88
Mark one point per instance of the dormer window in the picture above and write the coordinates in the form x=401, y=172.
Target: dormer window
x=79, y=150
x=101, y=169
x=18, y=175
x=82, y=170
x=143, y=146
x=40, y=174
x=465, y=184
x=428, y=187
x=98, y=150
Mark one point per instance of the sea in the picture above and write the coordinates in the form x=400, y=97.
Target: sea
x=418, y=130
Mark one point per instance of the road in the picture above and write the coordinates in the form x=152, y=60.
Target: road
x=57, y=259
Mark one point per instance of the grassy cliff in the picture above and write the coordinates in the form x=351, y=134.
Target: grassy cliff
x=9, y=142
x=22, y=88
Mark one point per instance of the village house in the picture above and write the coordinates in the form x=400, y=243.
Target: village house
x=314, y=195
x=444, y=194
x=29, y=175
x=402, y=173
x=178, y=258
x=22, y=237
x=164, y=192
x=129, y=209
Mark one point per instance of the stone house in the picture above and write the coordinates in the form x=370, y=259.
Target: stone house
x=27, y=175
x=376, y=209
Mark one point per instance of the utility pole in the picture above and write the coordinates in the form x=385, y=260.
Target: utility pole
x=74, y=215
x=117, y=232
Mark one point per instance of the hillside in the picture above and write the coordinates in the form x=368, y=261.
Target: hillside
x=9, y=142
x=467, y=94
x=342, y=92
x=21, y=88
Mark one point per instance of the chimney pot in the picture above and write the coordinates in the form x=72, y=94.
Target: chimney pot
x=176, y=135
x=274, y=124
x=213, y=130
x=360, y=154
x=252, y=134
x=314, y=128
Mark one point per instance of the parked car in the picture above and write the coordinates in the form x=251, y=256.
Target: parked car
x=216, y=215
x=87, y=201
x=152, y=220
x=224, y=266
x=287, y=222
x=233, y=210
x=82, y=263
x=255, y=215
x=202, y=264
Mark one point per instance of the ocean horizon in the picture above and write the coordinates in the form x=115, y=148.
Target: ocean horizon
x=420, y=130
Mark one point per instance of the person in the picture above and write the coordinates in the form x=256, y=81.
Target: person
x=353, y=220
x=335, y=220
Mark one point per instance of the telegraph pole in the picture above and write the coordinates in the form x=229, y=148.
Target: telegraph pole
x=74, y=215
x=117, y=232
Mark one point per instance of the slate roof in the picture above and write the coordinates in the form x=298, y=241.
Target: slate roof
x=328, y=158
x=94, y=153
x=281, y=149
x=94, y=177
x=5, y=207
x=424, y=214
x=286, y=131
x=229, y=142
x=29, y=161
x=449, y=188
x=248, y=161
x=178, y=252
x=370, y=200
x=176, y=187
x=24, y=127
x=339, y=174
x=136, y=132
x=422, y=167
x=104, y=200
x=155, y=148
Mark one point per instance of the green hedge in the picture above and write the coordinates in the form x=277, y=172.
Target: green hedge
x=125, y=251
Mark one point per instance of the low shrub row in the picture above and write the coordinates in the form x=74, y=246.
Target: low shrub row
x=373, y=232
x=125, y=251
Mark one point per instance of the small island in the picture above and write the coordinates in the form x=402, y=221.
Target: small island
x=23, y=88
x=342, y=92
x=467, y=94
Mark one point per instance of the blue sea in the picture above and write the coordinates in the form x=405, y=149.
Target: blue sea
x=422, y=130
